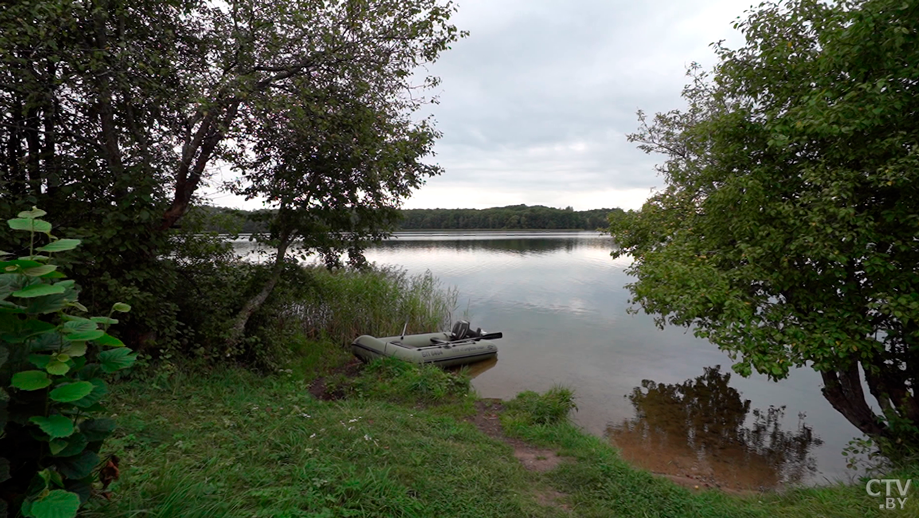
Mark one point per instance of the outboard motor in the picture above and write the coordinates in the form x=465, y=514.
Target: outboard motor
x=460, y=330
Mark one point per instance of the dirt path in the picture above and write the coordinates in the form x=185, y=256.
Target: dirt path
x=487, y=419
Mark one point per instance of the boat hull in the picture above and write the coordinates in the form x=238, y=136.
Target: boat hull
x=420, y=349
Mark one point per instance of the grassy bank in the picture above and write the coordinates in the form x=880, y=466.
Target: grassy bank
x=231, y=443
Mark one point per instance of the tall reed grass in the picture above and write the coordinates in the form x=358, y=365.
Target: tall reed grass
x=347, y=303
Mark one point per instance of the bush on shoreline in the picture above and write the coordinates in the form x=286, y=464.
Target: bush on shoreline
x=309, y=303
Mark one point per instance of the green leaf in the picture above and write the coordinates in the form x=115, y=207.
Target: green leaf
x=47, y=304
x=56, y=504
x=71, y=391
x=116, y=359
x=74, y=324
x=61, y=245
x=73, y=445
x=85, y=335
x=18, y=264
x=55, y=478
x=38, y=271
x=37, y=290
x=31, y=380
x=78, y=466
x=82, y=487
x=47, y=342
x=39, y=360
x=54, y=275
x=55, y=426
x=56, y=446
x=31, y=214
x=97, y=429
x=104, y=320
x=109, y=340
x=31, y=225
x=4, y=354
x=75, y=349
x=37, y=327
x=121, y=307
x=99, y=391
x=57, y=367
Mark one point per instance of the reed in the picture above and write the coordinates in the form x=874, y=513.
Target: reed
x=347, y=303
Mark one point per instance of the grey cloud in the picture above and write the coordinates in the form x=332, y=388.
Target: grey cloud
x=542, y=93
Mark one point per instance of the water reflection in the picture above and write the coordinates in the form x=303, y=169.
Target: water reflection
x=701, y=428
x=517, y=246
x=474, y=369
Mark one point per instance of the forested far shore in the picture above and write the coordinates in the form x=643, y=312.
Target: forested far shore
x=534, y=217
x=511, y=217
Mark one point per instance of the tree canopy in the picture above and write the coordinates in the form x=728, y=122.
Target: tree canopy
x=787, y=230
x=114, y=114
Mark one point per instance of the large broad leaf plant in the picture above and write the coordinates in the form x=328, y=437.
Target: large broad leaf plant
x=52, y=364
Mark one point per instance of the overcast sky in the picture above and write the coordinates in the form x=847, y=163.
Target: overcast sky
x=535, y=103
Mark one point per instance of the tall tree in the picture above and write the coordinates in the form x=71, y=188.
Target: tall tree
x=787, y=231
x=337, y=163
x=113, y=113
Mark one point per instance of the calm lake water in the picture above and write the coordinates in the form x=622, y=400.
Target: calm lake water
x=656, y=394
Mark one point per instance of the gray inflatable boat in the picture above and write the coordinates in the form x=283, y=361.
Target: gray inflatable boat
x=458, y=347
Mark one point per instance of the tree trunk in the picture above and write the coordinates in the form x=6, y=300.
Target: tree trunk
x=195, y=156
x=237, y=332
x=843, y=389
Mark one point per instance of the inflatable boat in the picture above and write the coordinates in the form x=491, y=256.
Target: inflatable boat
x=459, y=347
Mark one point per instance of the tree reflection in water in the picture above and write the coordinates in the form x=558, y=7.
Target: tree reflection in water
x=699, y=429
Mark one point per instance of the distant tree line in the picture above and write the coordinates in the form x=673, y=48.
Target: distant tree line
x=510, y=217
x=536, y=217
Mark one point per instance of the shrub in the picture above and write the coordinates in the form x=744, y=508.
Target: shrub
x=50, y=380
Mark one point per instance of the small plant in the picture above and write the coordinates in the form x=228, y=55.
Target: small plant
x=50, y=380
x=549, y=408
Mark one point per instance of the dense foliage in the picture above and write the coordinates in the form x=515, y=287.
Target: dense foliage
x=113, y=115
x=788, y=228
x=51, y=386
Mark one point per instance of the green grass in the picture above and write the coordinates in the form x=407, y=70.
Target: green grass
x=310, y=359
x=230, y=443
x=400, y=382
x=531, y=408
x=235, y=444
